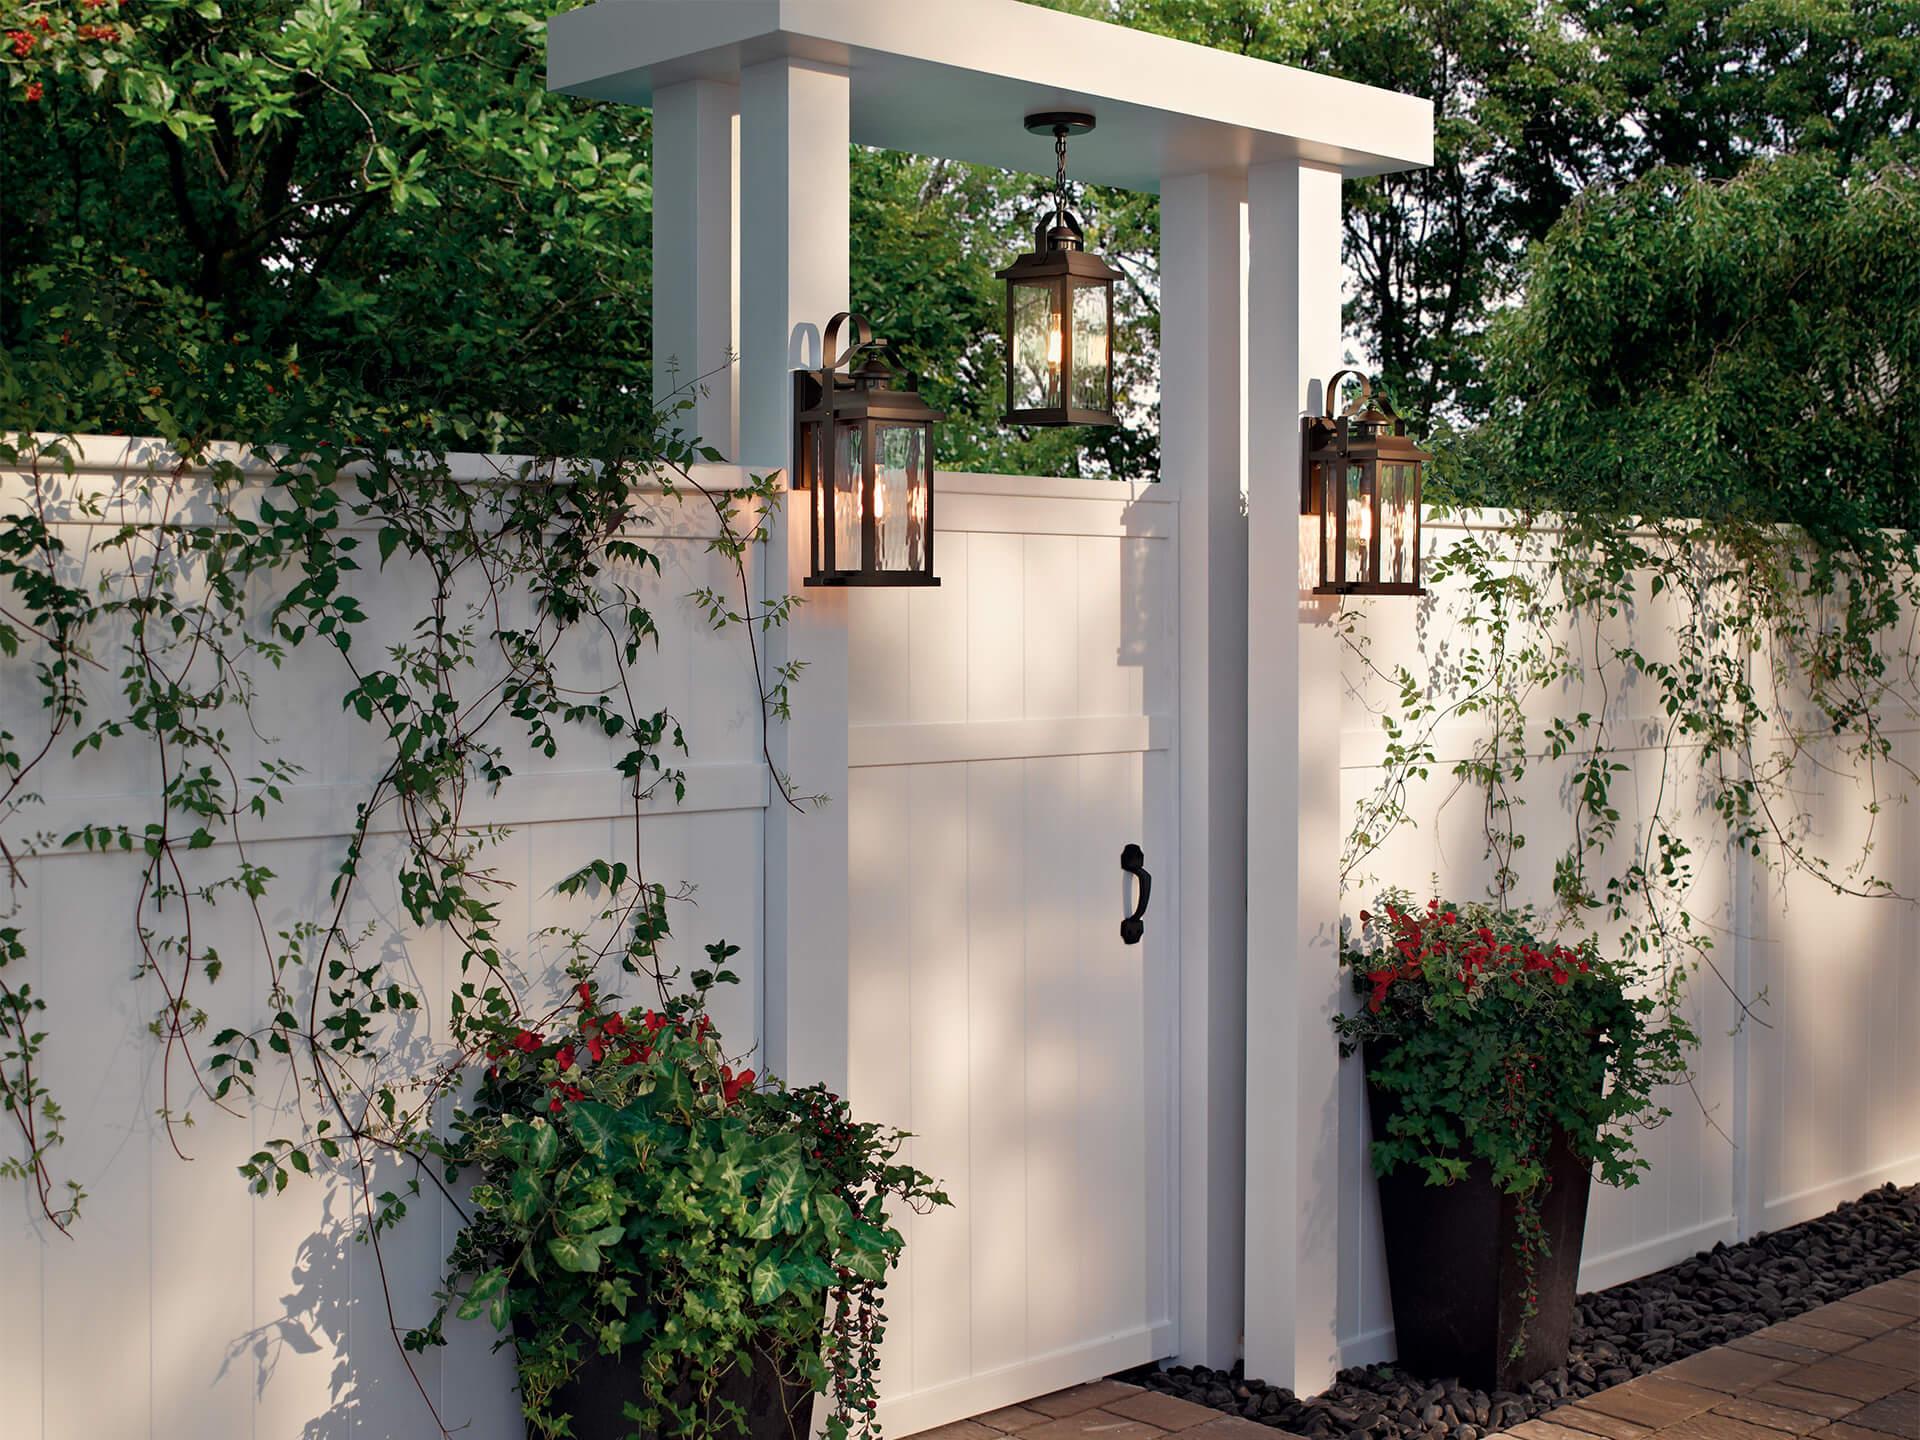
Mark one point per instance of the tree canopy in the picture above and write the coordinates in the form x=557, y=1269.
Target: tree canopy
x=222, y=218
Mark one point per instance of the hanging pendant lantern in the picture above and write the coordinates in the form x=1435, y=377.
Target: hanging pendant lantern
x=1060, y=309
x=1360, y=497
x=863, y=452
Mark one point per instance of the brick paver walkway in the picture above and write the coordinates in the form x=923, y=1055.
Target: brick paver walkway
x=1847, y=1371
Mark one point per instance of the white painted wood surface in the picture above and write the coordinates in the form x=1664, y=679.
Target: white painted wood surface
x=1788, y=1117
x=1013, y=729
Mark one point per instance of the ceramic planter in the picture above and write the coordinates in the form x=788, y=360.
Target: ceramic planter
x=1457, y=1279
x=778, y=1403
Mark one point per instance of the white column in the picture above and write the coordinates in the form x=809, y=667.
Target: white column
x=794, y=130
x=1202, y=455
x=696, y=255
x=1293, y=793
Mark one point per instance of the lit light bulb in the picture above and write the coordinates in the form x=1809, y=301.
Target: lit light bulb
x=1053, y=342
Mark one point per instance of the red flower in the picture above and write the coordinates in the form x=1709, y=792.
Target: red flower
x=613, y=1025
x=597, y=1047
x=564, y=1060
x=527, y=1042
x=655, y=1023
x=22, y=41
x=636, y=1055
x=585, y=991
x=35, y=90
x=731, y=1084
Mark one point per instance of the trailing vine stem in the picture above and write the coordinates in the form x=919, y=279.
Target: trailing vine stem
x=164, y=598
x=1720, y=596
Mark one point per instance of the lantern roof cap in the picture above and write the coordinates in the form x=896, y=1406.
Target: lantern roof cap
x=954, y=78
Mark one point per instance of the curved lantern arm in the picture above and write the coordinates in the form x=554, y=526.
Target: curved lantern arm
x=1359, y=402
x=831, y=357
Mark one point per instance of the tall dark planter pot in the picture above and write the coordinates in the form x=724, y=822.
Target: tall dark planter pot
x=777, y=1401
x=1457, y=1278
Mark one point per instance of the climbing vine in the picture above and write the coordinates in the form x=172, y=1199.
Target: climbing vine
x=153, y=609
x=1755, y=668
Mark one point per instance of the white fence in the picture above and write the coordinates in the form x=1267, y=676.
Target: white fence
x=1008, y=733
x=1812, y=1105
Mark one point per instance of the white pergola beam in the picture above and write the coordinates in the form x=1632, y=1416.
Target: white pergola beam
x=794, y=187
x=1293, y=797
x=953, y=78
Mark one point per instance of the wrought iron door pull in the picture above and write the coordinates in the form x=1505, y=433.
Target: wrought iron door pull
x=1133, y=860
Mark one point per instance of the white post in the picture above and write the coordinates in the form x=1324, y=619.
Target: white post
x=1202, y=455
x=794, y=130
x=696, y=255
x=1293, y=795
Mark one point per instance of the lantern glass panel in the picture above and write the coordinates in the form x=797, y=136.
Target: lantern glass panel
x=849, y=469
x=1359, y=502
x=900, y=495
x=1092, y=317
x=1036, y=346
x=1396, y=498
x=1329, y=520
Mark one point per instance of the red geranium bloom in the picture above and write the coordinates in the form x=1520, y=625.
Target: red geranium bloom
x=565, y=1058
x=731, y=1084
x=527, y=1042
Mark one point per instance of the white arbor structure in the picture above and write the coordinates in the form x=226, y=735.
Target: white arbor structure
x=1142, y=1141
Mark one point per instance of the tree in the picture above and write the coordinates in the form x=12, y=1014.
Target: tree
x=233, y=220
x=1743, y=352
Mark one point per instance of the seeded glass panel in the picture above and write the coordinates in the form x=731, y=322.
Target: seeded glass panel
x=1036, y=348
x=1329, y=520
x=900, y=495
x=1359, y=524
x=849, y=462
x=1396, y=500
x=1090, y=341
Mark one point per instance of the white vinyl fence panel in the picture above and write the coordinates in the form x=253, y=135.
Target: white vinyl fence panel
x=185, y=1307
x=996, y=1012
x=1009, y=732
x=1814, y=1104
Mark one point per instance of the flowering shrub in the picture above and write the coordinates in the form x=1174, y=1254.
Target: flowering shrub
x=1487, y=1040
x=639, y=1196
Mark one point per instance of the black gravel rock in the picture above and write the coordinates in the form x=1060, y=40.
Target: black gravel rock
x=1716, y=1296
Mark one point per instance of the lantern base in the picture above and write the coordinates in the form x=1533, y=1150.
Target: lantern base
x=842, y=579
x=1361, y=587
x=1059, y=415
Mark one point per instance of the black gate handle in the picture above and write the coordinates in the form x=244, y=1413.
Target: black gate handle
x=1133, y=860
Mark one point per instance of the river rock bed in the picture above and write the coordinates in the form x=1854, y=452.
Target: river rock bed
x=1716, y=1296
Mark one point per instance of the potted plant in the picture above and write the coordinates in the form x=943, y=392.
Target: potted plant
x=1502, y=1070
x=672, y=1247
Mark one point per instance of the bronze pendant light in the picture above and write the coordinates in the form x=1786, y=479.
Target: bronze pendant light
x=863, y=451
x=1060, y=309
x=1360, y=484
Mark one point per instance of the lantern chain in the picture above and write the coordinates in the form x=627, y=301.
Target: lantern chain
x=1060, y=170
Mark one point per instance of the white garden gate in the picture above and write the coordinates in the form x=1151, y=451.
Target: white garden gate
x=1011, y=732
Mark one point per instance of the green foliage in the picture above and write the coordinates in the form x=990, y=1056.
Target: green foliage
x=1742, y=353
x=637, y=1198
x=271, y=220
x=1491, y=1039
